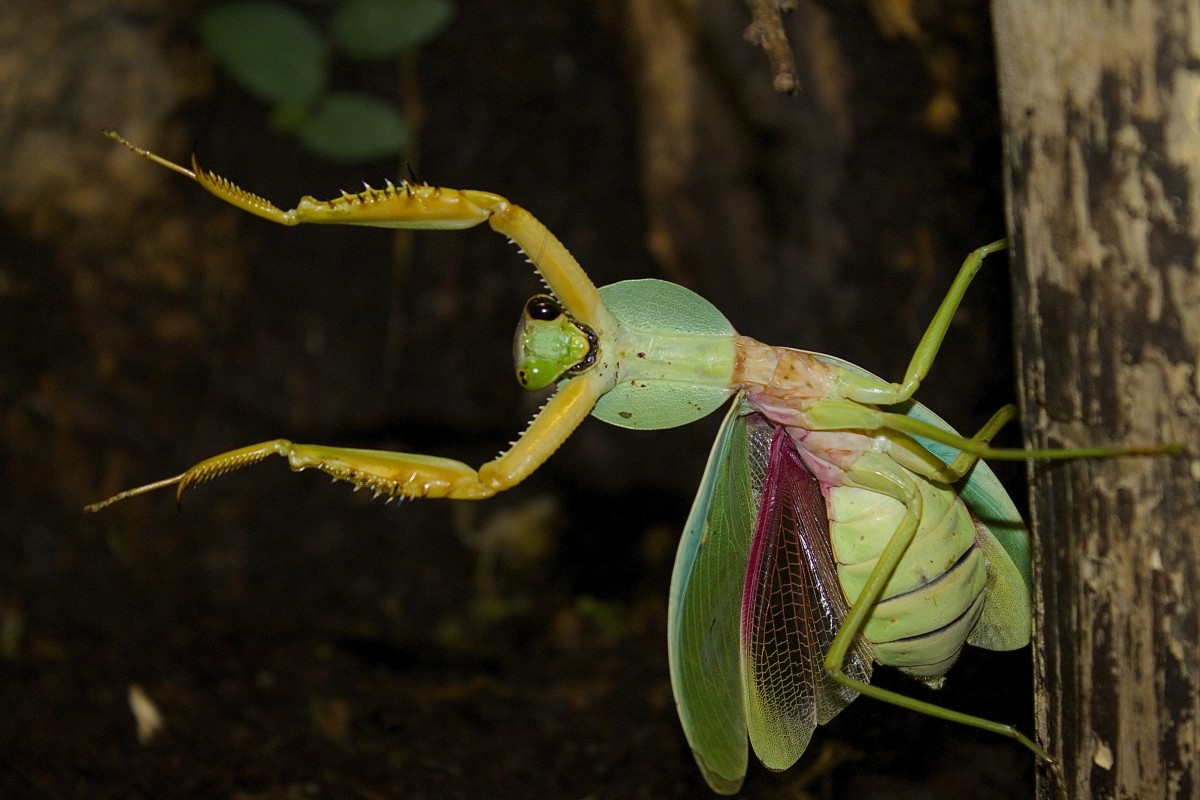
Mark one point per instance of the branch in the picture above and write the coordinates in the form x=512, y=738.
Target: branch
x=766, y=31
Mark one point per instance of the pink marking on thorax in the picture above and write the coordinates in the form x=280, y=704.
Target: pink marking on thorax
x=781, y=371
x=781, y=383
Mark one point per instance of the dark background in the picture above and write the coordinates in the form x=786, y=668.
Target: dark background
x=301, y=641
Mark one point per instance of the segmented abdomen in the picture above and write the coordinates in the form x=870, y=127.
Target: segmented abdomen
x=937, y=590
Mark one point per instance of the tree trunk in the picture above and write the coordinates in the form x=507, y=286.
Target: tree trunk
x=1101, y=114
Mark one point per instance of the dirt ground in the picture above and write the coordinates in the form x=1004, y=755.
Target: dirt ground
x=301, y=641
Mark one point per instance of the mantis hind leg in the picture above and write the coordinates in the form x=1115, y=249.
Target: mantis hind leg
x=899, y=484
x=977, y=447
x=834, y=414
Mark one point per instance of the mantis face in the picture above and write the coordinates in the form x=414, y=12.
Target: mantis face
x=550, y=344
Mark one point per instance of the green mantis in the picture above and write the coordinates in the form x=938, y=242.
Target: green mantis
x=839, y=523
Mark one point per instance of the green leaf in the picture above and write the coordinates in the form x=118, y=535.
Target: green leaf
x=382, y=28
x=272, y=50
x=351, y=126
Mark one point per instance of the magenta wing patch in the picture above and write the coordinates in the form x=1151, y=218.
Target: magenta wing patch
x=792, y=607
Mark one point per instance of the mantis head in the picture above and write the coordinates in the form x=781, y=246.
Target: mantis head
x=550, y=344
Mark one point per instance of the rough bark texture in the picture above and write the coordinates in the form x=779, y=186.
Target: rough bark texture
x=1101, y=110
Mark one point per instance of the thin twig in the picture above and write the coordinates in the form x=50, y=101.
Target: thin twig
x=766, y=31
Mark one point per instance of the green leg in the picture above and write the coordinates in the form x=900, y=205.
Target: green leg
x=975, y=448
x=886, y=394
x=895, y=482
x=911, y=454
x=828, y=414
x=848, y=414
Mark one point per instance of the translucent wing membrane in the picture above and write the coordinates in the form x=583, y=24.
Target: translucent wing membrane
x=791, y=610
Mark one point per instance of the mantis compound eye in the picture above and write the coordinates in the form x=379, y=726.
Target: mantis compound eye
x=543, y=308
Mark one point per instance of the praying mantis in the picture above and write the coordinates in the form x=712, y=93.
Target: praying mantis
x=838, y=524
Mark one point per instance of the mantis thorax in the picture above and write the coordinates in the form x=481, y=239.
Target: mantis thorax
x=674, y=353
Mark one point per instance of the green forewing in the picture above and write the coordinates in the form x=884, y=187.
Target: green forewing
x=704, y=618
x=1007, y=613
x=650, y=305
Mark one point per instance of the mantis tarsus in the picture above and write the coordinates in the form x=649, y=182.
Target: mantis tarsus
x=839, y=523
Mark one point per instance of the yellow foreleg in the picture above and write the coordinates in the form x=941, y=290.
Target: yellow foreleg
x=399, y=475
x=413, y=205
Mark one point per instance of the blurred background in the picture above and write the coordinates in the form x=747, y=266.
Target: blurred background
x=298, y=640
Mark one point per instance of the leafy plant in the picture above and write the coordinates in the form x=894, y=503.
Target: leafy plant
x=278, y=53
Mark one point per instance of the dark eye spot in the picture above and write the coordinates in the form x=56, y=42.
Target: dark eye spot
x=625, y=414
x=544, y=308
